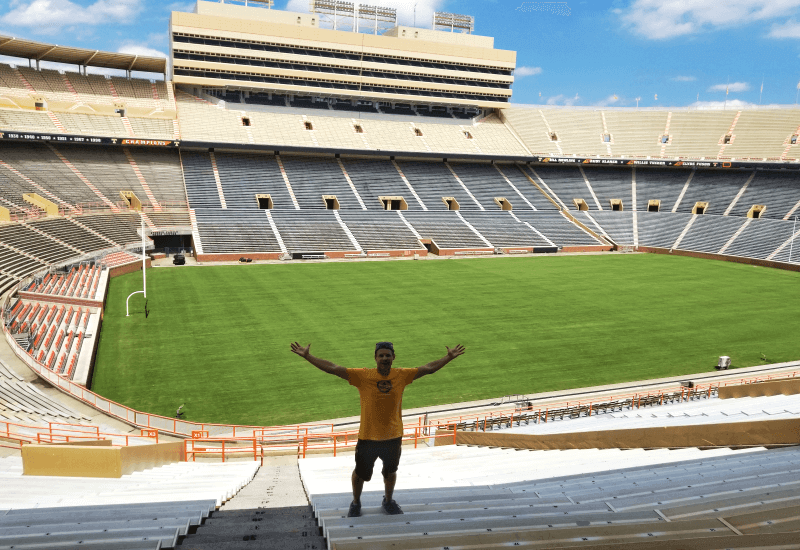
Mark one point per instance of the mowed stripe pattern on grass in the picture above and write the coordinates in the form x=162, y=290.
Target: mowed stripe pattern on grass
x=217, y=337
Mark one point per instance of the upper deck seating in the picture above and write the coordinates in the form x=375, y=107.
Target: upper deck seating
x=26, y=121
x=698, y=134
x=531, y=127
x=762, y=134
x=225, y=231
x=579, y=132
x=636, y=134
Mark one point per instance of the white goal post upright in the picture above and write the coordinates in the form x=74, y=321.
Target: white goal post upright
x=144, y=274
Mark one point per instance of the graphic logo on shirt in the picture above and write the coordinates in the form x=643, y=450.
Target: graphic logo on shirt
x=384, y=386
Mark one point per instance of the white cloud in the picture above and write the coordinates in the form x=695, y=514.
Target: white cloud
x=136, y=48
x=720, y=105
x=790, y=29
x=561, y=99
x=521, y=72
x=733, y=87
x=610, y=100
x=663, y=19
x=405, y=9
x=49, y=16
x=684, y=78
x=182, y=6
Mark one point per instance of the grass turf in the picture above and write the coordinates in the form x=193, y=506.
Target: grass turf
x=217, y=338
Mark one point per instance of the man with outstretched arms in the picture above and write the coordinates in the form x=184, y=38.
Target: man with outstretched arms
x=381, y=430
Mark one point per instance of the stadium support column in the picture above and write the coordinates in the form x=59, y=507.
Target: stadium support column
x=635, y=212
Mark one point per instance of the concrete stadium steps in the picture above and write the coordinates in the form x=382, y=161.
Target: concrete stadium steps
x=660, y=184
x=660, y=229
x=181, y=481
x=706, y=411
x=596, y=499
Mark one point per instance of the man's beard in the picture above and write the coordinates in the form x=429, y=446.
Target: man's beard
x=384, y=369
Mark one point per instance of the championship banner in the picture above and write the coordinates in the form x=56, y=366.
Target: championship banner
x=94, y=140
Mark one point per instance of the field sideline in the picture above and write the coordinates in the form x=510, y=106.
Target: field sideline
x=217, y=338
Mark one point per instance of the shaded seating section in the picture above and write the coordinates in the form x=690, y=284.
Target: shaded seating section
x=244, y=176
x=761, y=238
x=779, y=192
x=120, y=228
x=612, y=183
x=504, y=230
x=446, y=229
x=311, y=232
x=562, y=498
x=618, y=226
x=23, y=402
x=659, y=184
x=660, y=229
x=378, y=178
x=486, y=184
x=558, y=229
x=710, y=233
x=42, y=248
x=524, y=185
x=567, y=183
x=717, y=188
x=178, y=218
x=380, y=231
x=313, y=177
x=225, y=231
x=14, y=265
x=201, y=187
x=71, y=233
x=433, y=182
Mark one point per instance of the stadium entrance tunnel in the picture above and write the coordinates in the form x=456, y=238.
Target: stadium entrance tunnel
x=172, y=242
x=653, y=205
x=331, y=202
x=756, y=211
x=616, y=205
x=580, y=204
x=503, y=203
x=700, y=207
x=452, y=203
x=264, y=202
x=393, y=203
x=132, y=200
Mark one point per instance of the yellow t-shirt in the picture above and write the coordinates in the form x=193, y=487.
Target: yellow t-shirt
x=381, y=401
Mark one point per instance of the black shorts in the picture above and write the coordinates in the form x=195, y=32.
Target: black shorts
x=368, y=451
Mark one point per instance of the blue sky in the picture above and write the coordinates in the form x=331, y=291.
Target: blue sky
x=605, y=52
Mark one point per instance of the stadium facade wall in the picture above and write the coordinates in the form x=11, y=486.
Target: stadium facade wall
x=721, y=257
x=235, y=256
x=766, y=432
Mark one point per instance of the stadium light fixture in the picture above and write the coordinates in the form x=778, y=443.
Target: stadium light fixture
x=144, y=273
x=261, y=3
x=376, y=14
x=336, y=8
x=453, y=21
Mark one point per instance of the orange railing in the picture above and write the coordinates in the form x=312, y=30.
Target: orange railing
x=53, y=432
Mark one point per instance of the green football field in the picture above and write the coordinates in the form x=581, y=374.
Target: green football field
x=217, y=338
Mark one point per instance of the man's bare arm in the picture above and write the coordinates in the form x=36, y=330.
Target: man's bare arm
x=433, y=366
x=321, y=364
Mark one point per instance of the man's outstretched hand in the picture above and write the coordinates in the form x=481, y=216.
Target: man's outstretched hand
x=454, y=352
x=301, y=351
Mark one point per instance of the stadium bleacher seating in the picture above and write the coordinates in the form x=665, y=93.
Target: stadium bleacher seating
x=616, y=225
x=379, y=231
x=660, y=229
x=709, y=233
x=446, y=229
x=226, y=231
